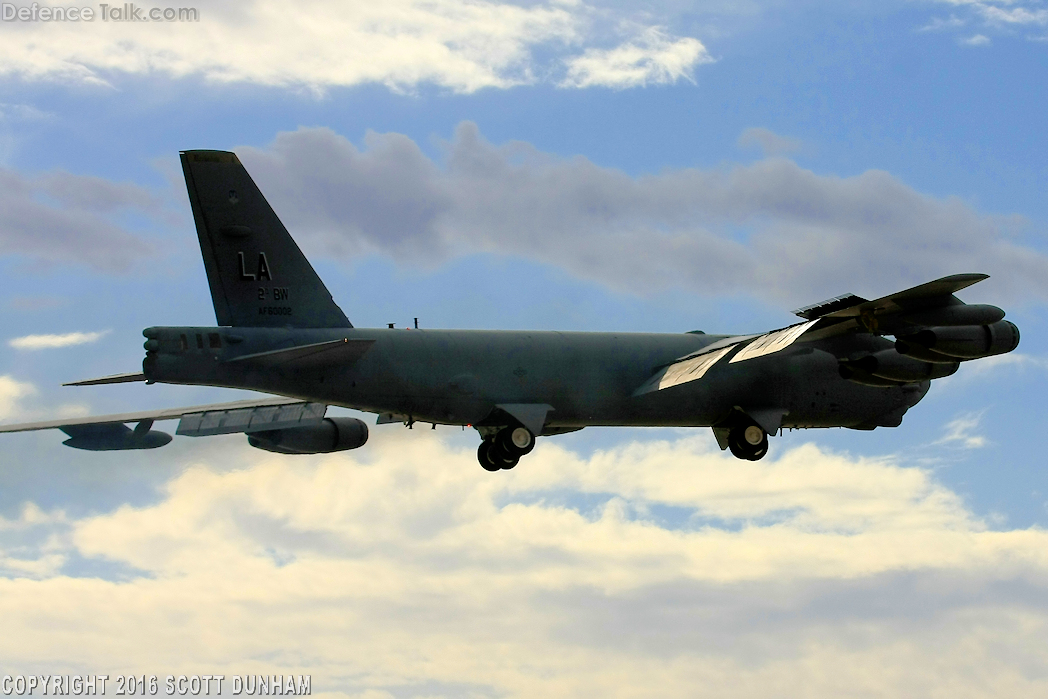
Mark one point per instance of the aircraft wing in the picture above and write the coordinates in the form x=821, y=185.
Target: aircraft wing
x=903, y=312
x=694, y=366
x=925, y=304
x=110, y=432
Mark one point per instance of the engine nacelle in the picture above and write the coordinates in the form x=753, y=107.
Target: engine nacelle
x=965, y=341
x=333, y=434
x=889, y=364
x=959, y=314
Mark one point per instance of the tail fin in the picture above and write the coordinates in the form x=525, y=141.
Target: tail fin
x=258, y=275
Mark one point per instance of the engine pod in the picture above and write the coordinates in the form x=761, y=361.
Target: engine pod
x=331, y=435
x=959, y=314
x=889, y=364
x=965, y=341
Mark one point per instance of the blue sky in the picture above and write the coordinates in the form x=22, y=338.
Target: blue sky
x=660, y=166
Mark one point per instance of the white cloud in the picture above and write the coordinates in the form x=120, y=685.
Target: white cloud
x=677, y=229
x=1014, y=15
x=22, y=113
x=993, y=367
x=938, y=24
x=1012, y=359
x=962, y=431
x=14, y=406
x=11, y=393
x=35, y=544
x=991, y=14
x=406, y=569
x=769, y=142
x=36, y=342
x=653, y=58
x=463, y=45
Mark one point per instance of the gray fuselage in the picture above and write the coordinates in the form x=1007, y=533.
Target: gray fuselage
x=459, y=376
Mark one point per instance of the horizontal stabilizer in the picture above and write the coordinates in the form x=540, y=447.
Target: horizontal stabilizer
x=115, y=378
x=343, y=351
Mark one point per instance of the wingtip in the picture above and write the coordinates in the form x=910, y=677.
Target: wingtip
x=970, y=277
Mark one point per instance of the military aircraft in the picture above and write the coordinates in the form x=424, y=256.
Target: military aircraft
x=280, y=332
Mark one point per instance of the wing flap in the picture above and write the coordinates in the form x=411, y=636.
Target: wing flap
x=251, y=419
x=690, y=369
x=695, y=366
x=773, y=342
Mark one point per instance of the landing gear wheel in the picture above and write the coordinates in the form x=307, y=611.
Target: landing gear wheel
x=748, y=442
x=509, y=462
x=484, y=456
x=517, y=441
x=492, y=457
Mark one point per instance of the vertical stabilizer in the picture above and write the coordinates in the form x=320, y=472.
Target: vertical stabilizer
x=258, y=275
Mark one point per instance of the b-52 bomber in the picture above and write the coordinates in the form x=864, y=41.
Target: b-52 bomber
x=280, y=332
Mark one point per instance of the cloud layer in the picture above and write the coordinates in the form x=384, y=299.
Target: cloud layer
x=61, y=217
x=12, y=392
x=457, y=44
x=771, y=228
x=1002, y=16
x=405, y=570
x=36, y=342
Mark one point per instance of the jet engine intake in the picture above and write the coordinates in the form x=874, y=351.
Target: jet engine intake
x=331, y=435
x=962, y=342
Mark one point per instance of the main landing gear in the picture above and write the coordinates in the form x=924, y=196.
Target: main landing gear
x=503, y=450
x=748, y=441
